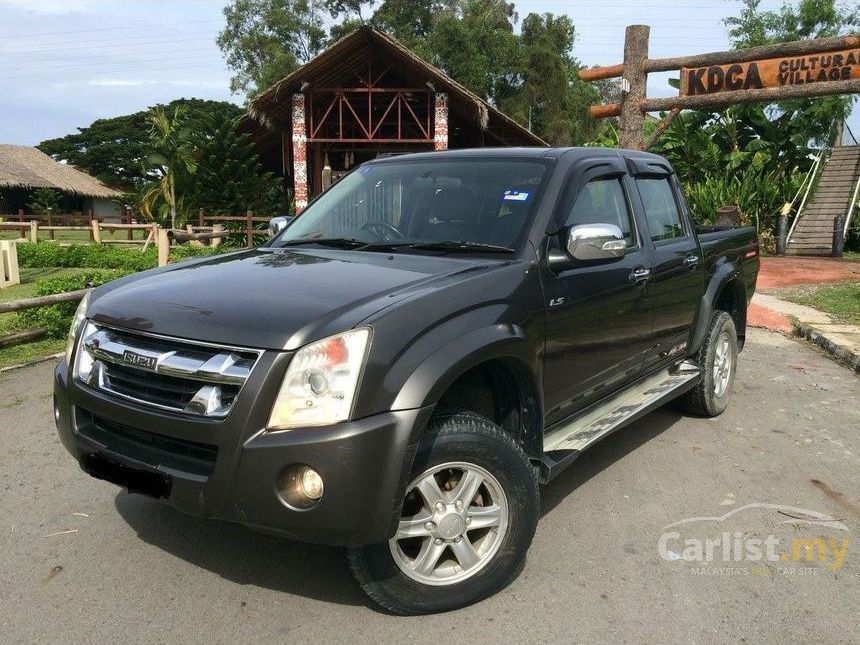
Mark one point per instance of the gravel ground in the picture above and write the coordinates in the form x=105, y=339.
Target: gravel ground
x=135, y=570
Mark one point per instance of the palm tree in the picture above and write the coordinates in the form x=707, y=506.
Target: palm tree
x=172, y=155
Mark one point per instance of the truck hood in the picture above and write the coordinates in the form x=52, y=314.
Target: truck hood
x=270, y=298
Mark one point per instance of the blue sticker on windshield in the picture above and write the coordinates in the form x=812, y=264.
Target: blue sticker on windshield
x=515, y=196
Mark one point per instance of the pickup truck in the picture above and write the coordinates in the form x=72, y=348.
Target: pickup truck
x=402, y=365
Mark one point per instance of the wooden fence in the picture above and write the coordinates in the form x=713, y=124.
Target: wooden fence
x=29, y=226
x=162, y=238
x=30, y=335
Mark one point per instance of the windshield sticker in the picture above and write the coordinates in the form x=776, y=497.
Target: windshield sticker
x=515, y=196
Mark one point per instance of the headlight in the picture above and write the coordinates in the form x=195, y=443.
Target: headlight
x=320, y=383
x=77, y=321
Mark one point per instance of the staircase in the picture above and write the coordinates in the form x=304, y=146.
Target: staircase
x=813, y=233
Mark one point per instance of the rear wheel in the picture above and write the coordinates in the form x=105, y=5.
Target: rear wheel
x=468, y=517
x=718, y=359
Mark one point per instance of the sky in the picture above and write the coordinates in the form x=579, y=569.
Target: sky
x=65, y=63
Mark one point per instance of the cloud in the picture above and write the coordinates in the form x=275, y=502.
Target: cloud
x=53, y=7
x=116, y=82
x=128, y=82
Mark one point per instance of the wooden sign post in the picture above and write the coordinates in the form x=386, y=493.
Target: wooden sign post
x=802, y=68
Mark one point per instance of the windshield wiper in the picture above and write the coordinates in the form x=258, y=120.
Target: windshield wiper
x=452, y=245
x=337, y=242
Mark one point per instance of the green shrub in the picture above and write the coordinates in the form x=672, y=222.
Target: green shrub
x=190, y=251
x=57, y=318
x=95, y=256
x=759, y=199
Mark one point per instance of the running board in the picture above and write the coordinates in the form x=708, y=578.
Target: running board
x=564, y=442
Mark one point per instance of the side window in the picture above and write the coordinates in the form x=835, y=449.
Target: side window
x=602, y=201
x=661, y=210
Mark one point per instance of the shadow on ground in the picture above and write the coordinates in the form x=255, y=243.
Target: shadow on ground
x=242, y=556
x=605, y=453
x=321, y=572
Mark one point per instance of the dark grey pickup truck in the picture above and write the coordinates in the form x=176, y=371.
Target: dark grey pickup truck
x=403, y=364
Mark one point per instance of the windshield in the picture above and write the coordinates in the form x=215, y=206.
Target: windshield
x=415, y=204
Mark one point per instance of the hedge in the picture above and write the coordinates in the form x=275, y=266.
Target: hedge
x=102, y=256
x=57, y=318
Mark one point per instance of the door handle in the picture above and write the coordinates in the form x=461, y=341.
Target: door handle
x=691, y=260
x=640, y=275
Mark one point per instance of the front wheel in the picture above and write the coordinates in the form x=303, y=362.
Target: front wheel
x=468, y=517
x=718, y=360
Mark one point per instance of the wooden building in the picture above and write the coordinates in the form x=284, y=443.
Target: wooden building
x=364, y=96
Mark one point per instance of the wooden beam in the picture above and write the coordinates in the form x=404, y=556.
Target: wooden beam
x=605, y=111
x=20, y=337
x=793, y=48
x=41, y=301
x=661, y=127
x=600, y=73
x=766, y=95
x=185, y=236
x=780, y=50
x=633, y=86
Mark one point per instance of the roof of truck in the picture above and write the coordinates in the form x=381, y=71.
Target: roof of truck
x=520, y=153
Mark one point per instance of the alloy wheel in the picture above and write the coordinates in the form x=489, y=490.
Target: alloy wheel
x=454, y=518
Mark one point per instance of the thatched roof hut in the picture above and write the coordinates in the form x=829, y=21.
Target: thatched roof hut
x=26, y=167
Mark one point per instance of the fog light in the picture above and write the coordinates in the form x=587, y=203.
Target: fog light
x=300, y=487
x=312, y=483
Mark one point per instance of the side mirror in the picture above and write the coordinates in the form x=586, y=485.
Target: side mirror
x=590, y=242
x=278, y=224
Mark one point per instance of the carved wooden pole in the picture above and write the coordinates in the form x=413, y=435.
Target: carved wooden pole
x=633, y=86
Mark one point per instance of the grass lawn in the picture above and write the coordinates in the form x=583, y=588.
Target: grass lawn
x=9, y=322
x=27, y=352
x=841, y=300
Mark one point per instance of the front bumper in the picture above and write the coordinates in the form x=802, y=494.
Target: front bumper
x=231, y=469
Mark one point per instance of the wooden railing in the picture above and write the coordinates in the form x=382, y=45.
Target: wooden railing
x=249, y=219
x=66, y=221
x=30, y=335
x=30, y=226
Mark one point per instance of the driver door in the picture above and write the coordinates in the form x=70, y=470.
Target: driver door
x=598, y=313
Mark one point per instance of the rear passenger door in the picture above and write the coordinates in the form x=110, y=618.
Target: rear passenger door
x=676, y=264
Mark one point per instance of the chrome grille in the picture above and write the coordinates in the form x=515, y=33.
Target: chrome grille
x=173, y=374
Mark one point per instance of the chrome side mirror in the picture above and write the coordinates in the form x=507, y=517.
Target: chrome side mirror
x=278, y=224
x=596, y=242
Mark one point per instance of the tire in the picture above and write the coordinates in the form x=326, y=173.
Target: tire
x=453, y=446
x=718, y=358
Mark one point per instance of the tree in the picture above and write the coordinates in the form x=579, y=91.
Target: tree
x=809, y=19
x=230, y=178
x=265, y=40
x=114, y=150
x=44, y=201
x=473, y=41
x=409, y=21
x=172, y=155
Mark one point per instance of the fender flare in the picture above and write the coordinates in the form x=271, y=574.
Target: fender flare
x=726, y=272
x=438, y=371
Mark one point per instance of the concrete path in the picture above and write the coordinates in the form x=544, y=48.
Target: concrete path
x=792, y=271
x=770, y=312
x=83, y=562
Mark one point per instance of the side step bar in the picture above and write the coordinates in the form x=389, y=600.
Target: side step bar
x=564, y=442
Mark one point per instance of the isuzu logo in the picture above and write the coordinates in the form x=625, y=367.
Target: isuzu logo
x=138, y=360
